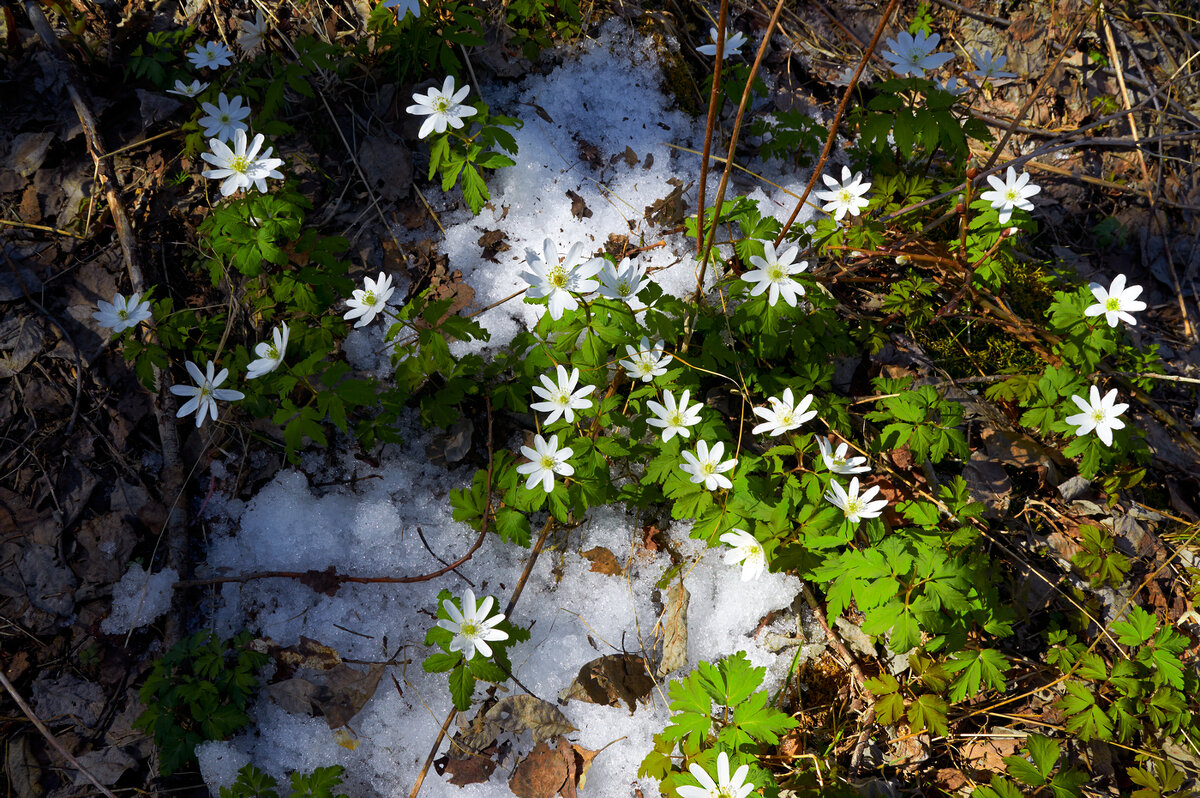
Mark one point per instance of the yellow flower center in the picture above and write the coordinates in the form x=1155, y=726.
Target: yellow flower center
x=1012, y=195
x=273, y=353
x=676, y=419
x=709, y=467
x=369, y=298
x=1098, y=415
x=468, y=629
x=547, y=462
x=1113, y=303
x=844, y=196
x=775, y=273
x=240, y=164
x=441, y=104
x=557, y=276
x=122, y=314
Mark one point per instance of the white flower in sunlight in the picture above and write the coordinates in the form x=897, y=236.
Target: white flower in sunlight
x=241, y=167
x=988, y=66
x=205, y=393
x=622, y=281
x=187, y=89
x=1099, y=415
x=1117, y=302
x=747, y=552
x=784, y=415
x=854, y=506
x=560, y=281
x=270, y=355
x=442, y=107
x=773, y=273
x=846, y=196
x=472, y=627
x=211, y=55
x=251, y=36
x=369, y=300
x=837, y=461
x=1012, y=192
x=403, y=7
x=723, y=787
x=562, y=399
x=706, y=466
x=545, y=460
x=122, y=313
x=911, y=56
x=646, y=362
x=674, y=418
x=225, y=118
x=733, y=43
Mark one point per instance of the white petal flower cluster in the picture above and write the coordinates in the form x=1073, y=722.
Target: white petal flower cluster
x=560, y=281
x=646, y=362
x=838, y=462
x=210, y=56
x=1099, y=415
x=270, y=354
x=1117, y=302
x=733, y=44
x=368, y=301
x=252, y=33
x=561, y=398
x=622, y=281
x=403, y=7
x=912, y=56
x=187, y=89
x=1012, y=192
x=472, y=628
x=773, y=272
x=725, y=786
x=846, y=196
x=988, y=66
x=747, y=552
x=225, y=118
x=784, y=414
x=707, y=467
x=545, y=460
x=442, y=108
x=205, y=393
x=122, y=313
x=856, y=507
x=242, y=166
x=674, y=418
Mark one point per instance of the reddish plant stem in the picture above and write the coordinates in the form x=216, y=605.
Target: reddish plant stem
x=711, y=123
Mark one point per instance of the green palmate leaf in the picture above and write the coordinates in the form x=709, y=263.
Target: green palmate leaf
x=929, y=712
x=1138, y=628
x=462, y=687
x=985, y=666
x=1086, y=719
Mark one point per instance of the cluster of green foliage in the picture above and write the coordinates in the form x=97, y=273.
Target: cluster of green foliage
x=253, y=783
x=198, y=691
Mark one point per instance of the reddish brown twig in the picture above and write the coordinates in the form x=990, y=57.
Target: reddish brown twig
x=710, y=124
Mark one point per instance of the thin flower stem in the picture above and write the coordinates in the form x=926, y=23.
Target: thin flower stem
x=710, y=123
x=837, y=117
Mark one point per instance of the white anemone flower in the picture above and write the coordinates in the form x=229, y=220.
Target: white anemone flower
x=562, y=399
x=912, y=56
x=122, y=313
x=1012, y=192
x=545, y=460
x=846, y=196
x=547, y=277
x=211, y=55
x=674, y=418
x=724, y=787
x=855, y=507
x=623, y=281
x=646, y=362
x=187, y=89
x=784, y=414
x=773, y=273
x=252, y=33
x=403, y=7
x=225, y=118
x=270, y=354
x=1100, y=415
x=204, y=394
x=733, y=44
x=838, y=462
x=242, y=166
x=747, y=552
x=988, y=66
x=443, y=108
x=369, y=300
x=1117, y=302
x=472, y=628
x=706, y=466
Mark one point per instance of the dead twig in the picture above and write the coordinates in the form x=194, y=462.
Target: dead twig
x=49, y=735
x=711, y=122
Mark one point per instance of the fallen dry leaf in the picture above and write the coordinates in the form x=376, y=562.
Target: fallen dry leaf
x=579, y=208
x=611, y=679
x=674, y=626
x=471, y=769
x=540, y=775
x=603, y=561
